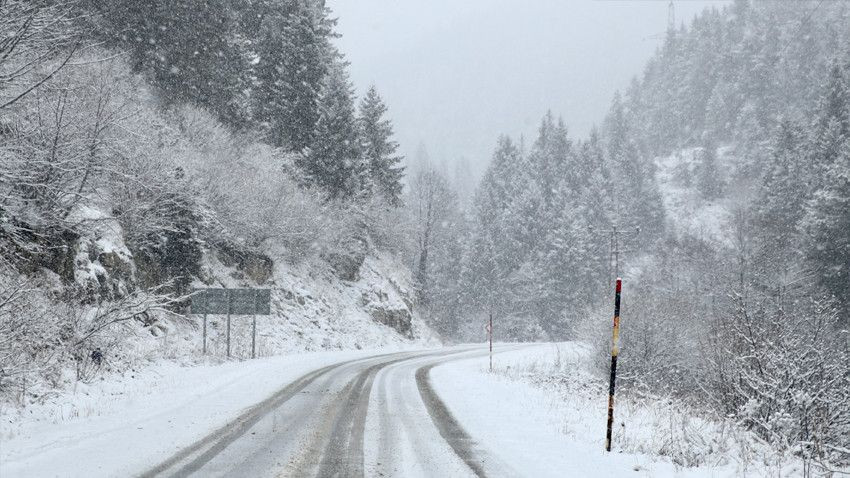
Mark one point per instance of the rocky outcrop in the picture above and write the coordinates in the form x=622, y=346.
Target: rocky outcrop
x=346, y=263
x=103, y=269
x=256, y=266
x=398, y=319
x=389, y=310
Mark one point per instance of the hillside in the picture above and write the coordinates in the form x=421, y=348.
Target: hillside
x=718, y=188
x=120, y=196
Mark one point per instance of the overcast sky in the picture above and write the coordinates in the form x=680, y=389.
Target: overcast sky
x=457, y=73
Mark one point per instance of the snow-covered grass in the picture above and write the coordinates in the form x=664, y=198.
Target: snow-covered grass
x=542, y=408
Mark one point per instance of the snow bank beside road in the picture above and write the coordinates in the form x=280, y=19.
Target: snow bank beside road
x=545, y=429
x=126, y=426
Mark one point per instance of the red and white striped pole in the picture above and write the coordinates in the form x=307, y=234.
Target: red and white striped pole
x=615, y=351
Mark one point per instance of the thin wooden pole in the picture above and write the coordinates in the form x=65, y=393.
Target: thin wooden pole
x=205, y=335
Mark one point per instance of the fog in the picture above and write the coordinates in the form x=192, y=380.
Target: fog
x=456, y=74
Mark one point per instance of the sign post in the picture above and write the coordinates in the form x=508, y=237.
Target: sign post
x=254, y=337
x=615, y=351
x=251, y=302
x=229, y=307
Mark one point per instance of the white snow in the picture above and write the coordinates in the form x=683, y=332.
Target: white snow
x=545, y=430
x=123, y=427
x=538, y=428
x=687, y=211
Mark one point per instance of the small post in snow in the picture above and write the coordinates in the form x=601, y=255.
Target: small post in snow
x=229, y=306
x=490, y=334
x=205, y=335
x=254, y=337
x=615, y=350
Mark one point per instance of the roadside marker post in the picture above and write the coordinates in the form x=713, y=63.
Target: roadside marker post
x=205, y=335
x=615, y=351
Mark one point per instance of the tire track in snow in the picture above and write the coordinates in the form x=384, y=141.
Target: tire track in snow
x=480, y=461
x=195, y=456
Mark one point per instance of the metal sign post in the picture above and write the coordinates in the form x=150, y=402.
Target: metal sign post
x=254, y=337
x=615, y=351
x=229, y=307
x=251, y=302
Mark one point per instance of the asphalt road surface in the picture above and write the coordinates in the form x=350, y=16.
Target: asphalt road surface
x=376, y=417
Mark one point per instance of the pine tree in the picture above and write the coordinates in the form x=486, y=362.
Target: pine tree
x=832, y=129
x=293, y=55
x=186, y=46
x=828, y=225
x=379, y=149
x=709, y=180
x=334, y=162
x=637, y=199
x=780, y=207
x=494, y=252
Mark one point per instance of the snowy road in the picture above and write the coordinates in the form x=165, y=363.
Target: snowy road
x=415, y=413
x=377, y=416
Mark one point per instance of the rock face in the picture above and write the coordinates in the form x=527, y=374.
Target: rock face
x=104, y=269
x=346, y=264
x=258, y=267
x=398, y=319
x=386, y=306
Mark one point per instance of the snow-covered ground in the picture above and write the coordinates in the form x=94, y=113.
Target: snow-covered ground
x=539, y=413
x=130, y=423
x=546, y=422
x=687, y=211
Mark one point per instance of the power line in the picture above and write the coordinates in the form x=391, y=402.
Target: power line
x=800, y=27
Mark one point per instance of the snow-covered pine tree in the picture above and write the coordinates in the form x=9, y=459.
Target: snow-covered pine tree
x=828, y=226
x=379, y=148
x=293, y=55
x=486, y=258
x=186, y=46
x=635, y=193
x=832, y=128
x=709, y=177
x=335, y=162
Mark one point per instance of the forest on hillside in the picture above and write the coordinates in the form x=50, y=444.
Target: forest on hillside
x=725, y=170
x=140, y=139
x=231, y=127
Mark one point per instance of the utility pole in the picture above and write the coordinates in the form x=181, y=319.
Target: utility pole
x=614, y=234
x=671, y=18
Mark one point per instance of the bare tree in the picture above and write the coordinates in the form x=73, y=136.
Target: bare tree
x=37, y=40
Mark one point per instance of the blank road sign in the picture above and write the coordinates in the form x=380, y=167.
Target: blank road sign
x=243, y=301
x=231, y=301
x=264, y=299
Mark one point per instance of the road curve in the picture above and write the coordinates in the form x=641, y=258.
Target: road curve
x=376, y=416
